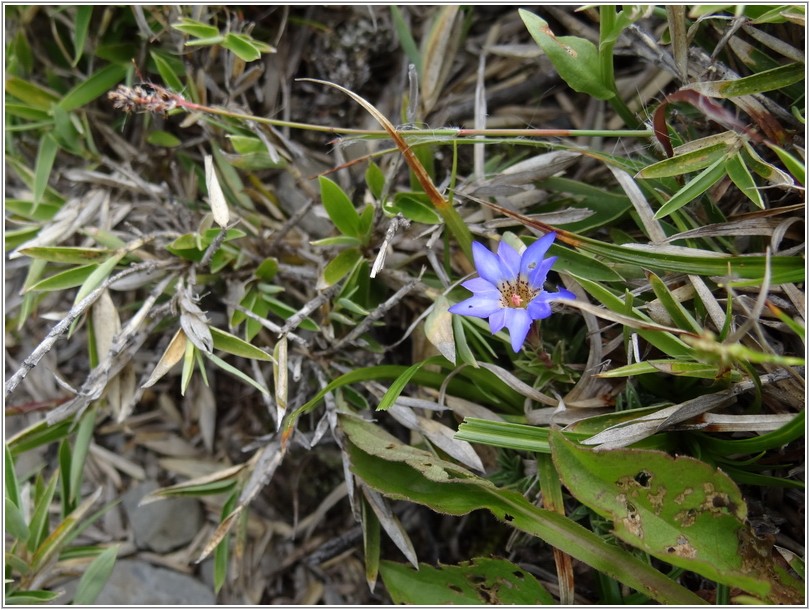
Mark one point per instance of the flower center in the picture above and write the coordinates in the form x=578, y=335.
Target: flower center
x=516, y=294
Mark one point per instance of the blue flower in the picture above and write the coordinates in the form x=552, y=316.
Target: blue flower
x=510, y=290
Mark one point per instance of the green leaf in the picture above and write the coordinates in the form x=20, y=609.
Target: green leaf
x=769, y=80
x=694, y=188
x=245, y=47
x=70, y=278
x=375, y=180
x=97, y=277
x=95, y=577
x=680, y=315
x=680, y=510
x=166, y=71
x=38, y=526
x=82, y=25
x=393, y=392
x=37, y=435
x=16, y=526
x=415, y=209
x=793, y=165
x=483, y=580
x=679, y=368
x=46, y=155
x=163, y=138
x=345, y=241
x=404, y=472
x=692, y=161
x=81, y=446
x=234, y=345
x=31, y=94
x=222, y=549
x=12, y=486
x=95, y=86
x=195, y=28
x=371, y=542
x=575, y=59
x=339, y=208
x=339, y=266
x=31, y=597
x=236, y=373
x=742, y=178
x=67, y=254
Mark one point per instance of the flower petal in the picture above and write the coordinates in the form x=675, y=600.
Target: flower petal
x=561, y=293
x=518, y=322
x=478, y=306
x=479, y=285
x=497, y=320
x=537, y=277
x=511, y=259
x=538, y=307
x=534, y=254
x=488, y=265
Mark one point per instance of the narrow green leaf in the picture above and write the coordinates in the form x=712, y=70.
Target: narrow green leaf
x=166, y=71
x=371, y=542
x=345, y=241
x=692, y=161
x=63, y=280
x=31, y=597
x=222, y=550
x=395, y=389
x=31, y=94
x=680, y=316
x=66, y=254
x=693, y=189
x=236, y=373
x=95, y=86
x=37, y=435
x=38, y=525
x=99, y=274
x=95, y=577
x=742, y=178
x=375, y=178
x=12, y=486
x=163, y=138
x=769, y=80
x=46, y=155
x=81, y=446
x=81, y=27
x=679, y=368
x=339, y=208
x=793, y=165
x=234, y=345
x=575, y=59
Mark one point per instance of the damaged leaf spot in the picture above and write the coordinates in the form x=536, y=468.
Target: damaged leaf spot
x=643, y=478
x=681, y=497
x=682, y=548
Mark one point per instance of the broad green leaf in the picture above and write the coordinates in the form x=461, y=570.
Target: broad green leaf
x=67, y=254
x=413, y=209
x=694, y=188
x=375, y=179
x=164, y=139
x=483, y=580
x=340, y=208
x=404, y=472
x=95, y=86
x=95, y=577
x=341, y=265
x=742, y=178
x=232, y=344
x=46, y=155
x=680, y=510
x=575, y=59
x=245, y=47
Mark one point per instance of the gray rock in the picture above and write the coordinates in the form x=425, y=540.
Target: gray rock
x=139, y=583
x=165, y=525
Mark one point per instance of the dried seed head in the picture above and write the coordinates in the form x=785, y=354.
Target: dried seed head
x=144, y=97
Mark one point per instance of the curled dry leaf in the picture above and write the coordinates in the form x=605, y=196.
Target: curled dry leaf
x=173, y=354
x=219, y=207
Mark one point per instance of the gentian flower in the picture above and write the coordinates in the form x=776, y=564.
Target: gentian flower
x=510, y=290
